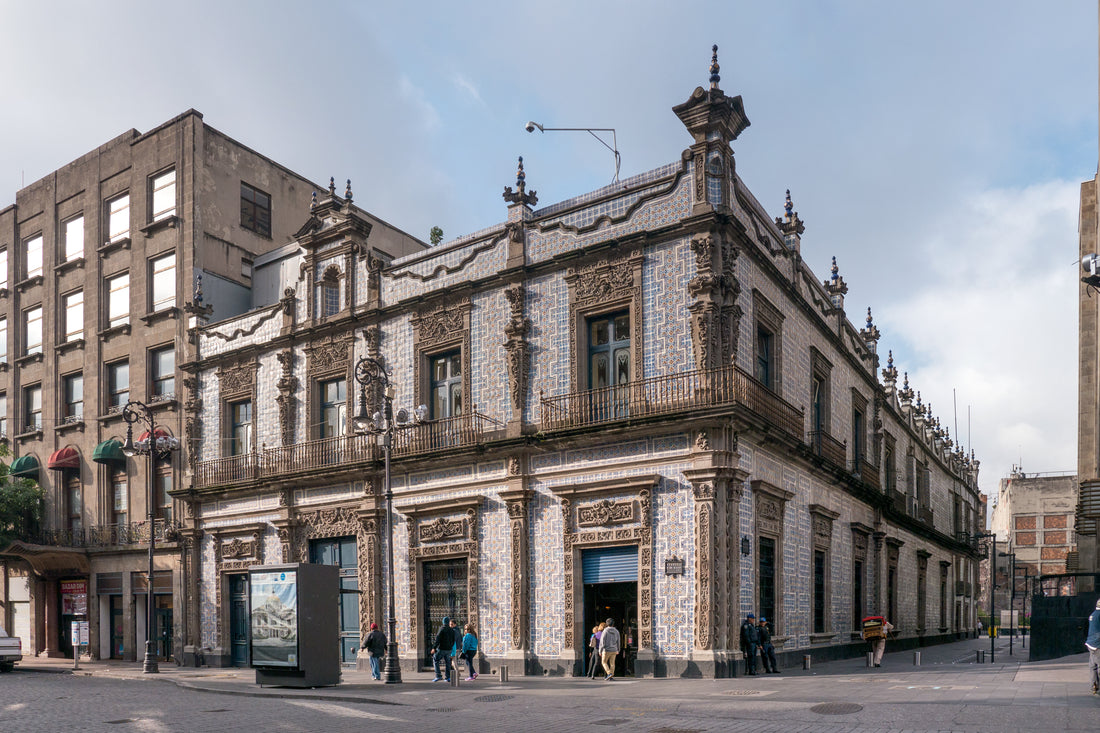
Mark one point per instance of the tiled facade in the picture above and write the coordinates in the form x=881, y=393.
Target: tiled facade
x=690, y=458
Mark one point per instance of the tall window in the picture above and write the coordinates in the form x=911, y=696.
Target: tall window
x=118, y=218
x=817, y=403
x=32, y=251
x=890, y=463
x=609, y=350
x=163, y=190
x=240, y=427
x=334, y=407
x=892, y=586
x=3, y=339
x=858, y=430
x=118, y=300
x=765, y=576
x=765, y=357
x=857, y=593
x=3, y=414
x=255, y=210
x=922, y=592
x=73, y=394
x=162, y=483
x=820, y=567
x=943, y=596
x=164, y=282
x=330, y=295
x=74, y=315
x=162, y=372
x=32, y=408
x=446, y=384
x=75, y=495
x=118, y=384
x=3, y=268
x=121, y=493
x=74, y=238
x=32, y=329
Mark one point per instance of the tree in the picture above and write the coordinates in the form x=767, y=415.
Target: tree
x=435, y=236
x=20, y=503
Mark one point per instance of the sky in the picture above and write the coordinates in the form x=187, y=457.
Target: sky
x=936, y=149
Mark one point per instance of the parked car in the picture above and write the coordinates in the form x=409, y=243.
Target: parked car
x=11, y=651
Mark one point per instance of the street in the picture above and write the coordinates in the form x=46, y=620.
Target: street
x=948, y=692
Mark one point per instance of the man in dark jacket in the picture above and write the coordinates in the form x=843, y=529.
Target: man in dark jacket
x=375, y=644
x=767, y=651
x=441, y=652
x=1092, y=643
x=750, y=638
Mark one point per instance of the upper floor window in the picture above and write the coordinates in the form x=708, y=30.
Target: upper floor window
x=73, y=304
x=118, y=300
x=32, y=256
x=330, y=296
x=74, y=238
x=118, y=218
x=73, y=394
x=121, y=493
x=32, y=408
x=859, y=427
x=164, y=282
x=118, y=384
x=767, y=345
x=3, y=339
x=446, y=384
x=333, y=403
x=608, y=350
x=3, y=414
x=3, y=268
x=162, y=372
x=163, y=194
x=163, y=484
x=74, y=489
x=32, y=329
x=240, y=427
x=890, y=463
x=255, y=210
x=765, y=357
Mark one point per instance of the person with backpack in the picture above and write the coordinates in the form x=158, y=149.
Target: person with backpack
x=445, y=642
x=375, y=644
x=469, y=650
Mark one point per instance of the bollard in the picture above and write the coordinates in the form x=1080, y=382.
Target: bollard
x=870, y=659
x=916, y=659
x=503, y=674
x=805, y=661
x=981, y=656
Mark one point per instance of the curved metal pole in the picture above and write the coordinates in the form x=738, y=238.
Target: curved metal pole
x=131, y=413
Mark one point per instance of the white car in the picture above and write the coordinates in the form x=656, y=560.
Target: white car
x=11, y=651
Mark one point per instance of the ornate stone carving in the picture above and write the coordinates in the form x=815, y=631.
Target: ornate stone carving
x=287, y=399
x=441, y=529
x=704, y=544
x=237, y=379
x=445, y=322
x=516, y=347
x=822, y=529
x=702, y=442
x=237, y=548
x=605, y=513
x=329, y=355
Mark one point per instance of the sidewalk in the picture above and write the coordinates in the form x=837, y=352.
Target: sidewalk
x=947, y=672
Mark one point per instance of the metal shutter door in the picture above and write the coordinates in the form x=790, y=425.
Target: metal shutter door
x=610, y=564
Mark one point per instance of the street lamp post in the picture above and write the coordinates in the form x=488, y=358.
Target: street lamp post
x=371, y=372
x=1012, y=601
x=153, y=446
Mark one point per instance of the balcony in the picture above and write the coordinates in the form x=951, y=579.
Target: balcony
x=866, y=472
x=100, y=536
x=826, y=446
x=342, y=451
x=676, y=393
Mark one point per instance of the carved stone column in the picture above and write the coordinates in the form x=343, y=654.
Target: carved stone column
x=518, y=355
x=190, y=545
x=715, y=314
x=517, y=501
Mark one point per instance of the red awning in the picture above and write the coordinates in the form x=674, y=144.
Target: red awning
x=160, y=434
x=64, y=458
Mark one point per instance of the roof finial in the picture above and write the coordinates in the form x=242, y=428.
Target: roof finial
x=870, y=321
x=520, y=196
x=331, y=185
x=835, y=270
x=521, y=177
x=347, y=191
x=198, y=289
x=313, y=202
x=714, y=78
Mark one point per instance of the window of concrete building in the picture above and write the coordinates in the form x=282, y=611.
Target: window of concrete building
x=163, y=274
x=73, y=305
x=32, y=256
x=74, y=499
x=3, y=339
x=240, y=427
x=118, y=300
x=3, y=268
x=162, y=373
x=32, y=330
x=118, y=218
x=73, y=247
x=255, y=210
x=72, y=392
x=118, y=385
x=162, y=189
x=857, y=593
x=32, y=408
x=3, y=414
x=446, y=384
x=120, y=493
x=333, y=405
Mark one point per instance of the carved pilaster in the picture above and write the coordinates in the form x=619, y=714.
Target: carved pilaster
x=517, y=503
x=192, y=430
x=516, y=347
x=287, y=399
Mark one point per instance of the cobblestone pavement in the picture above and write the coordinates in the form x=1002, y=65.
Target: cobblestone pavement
x=947, y=692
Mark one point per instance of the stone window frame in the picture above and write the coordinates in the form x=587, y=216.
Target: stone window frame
x=236, y=383
x=893, y=551
x=329, y=359
x=234, y=557
x=821, y=368
x=922, y=590
x=601, y=287
x=457, y=538
x=821, y=532
x=889, y=468
x=861, y=541
x=769, y=318
x=633, y=495
x=945, y=593
x=438, y=329
x=764, y=496
x=333, y=277
x=859, y=404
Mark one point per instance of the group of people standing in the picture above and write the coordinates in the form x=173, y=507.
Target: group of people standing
x=605, y=644
x=450, y=644
x=757, y=636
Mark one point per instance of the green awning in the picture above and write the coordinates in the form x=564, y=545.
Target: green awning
x=25, y=467
x=109, y=451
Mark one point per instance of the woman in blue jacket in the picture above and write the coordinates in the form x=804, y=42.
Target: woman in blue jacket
x=469, y=649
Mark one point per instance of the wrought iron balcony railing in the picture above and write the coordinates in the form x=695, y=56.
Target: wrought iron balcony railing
x=828, y=447
x=123, y=534
x=866, y=472
x=676, y=393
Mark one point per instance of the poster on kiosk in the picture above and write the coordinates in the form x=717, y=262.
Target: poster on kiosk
x=294, y=622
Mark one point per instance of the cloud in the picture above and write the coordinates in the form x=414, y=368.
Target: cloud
x=465, y=85
x=428, y=115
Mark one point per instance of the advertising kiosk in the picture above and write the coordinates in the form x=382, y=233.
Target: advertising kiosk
x=294, y=620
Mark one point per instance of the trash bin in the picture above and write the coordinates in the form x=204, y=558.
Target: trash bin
x=805, y=661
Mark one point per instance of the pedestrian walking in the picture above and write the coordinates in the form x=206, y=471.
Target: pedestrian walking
x=1092, y=641
x=767, y=651
x=979, y=627
x=750, y=638
x=445, y=642
x=875, y=629
x=375, y=644
x=609, y=648
x=594, y=650
x=469, y=650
